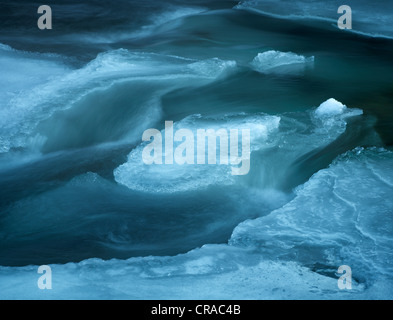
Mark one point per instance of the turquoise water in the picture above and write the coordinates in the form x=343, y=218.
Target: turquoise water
x=75, y=101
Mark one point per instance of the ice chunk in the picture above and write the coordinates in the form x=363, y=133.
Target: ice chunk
x=170, y=178
x=342, y=215
x=280, y=62
x=330, y=107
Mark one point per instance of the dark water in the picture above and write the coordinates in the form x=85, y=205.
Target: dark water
x=76, y=99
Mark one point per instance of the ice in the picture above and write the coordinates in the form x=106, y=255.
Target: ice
x=330, y=107
x=280, y=62
x=212, y=272
x=112, y=228
x=342, y=215
x=21, y=72
x=119, y=73
x=274, y=148
x=176, y=178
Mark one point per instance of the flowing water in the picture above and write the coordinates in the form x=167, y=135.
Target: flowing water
x=75, y=194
